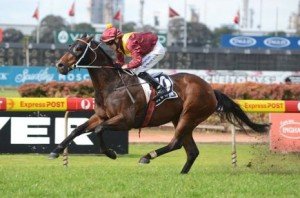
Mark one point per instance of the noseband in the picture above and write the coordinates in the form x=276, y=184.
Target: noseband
x=88, y=46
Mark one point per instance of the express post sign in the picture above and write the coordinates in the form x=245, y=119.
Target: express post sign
x=46, y=104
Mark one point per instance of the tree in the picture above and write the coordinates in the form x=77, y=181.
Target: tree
x=129, y=27
x=12, y=35
x=84, y=27
x=218, y=32
x=48, y=26
x=280, y=33
x=176, y=31
x=198, y=34
x=148, y=28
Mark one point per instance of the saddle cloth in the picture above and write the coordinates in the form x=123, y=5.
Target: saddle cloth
x=165, y=81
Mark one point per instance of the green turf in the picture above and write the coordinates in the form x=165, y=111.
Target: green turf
x=270, y=175
x=9, y=92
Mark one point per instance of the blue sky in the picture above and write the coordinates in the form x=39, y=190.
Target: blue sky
x=212, y=12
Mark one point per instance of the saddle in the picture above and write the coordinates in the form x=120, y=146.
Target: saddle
x=165, y=81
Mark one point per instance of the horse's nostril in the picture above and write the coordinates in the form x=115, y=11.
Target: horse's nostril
x=59, y=64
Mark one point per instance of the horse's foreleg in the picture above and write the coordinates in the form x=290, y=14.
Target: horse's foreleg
x=107, y=151
x=117, y=123
x=191, y=151
x=85, y=127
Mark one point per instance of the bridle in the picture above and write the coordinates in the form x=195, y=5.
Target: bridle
x=88, y=46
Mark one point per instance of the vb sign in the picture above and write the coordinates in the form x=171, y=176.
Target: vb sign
x=162, y=39
x=68, y=37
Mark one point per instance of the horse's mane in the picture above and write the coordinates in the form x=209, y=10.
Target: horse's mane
x=105, y=53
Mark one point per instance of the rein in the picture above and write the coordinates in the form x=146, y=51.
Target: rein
x=89, y=66
x=95, y=67
x=88, y=46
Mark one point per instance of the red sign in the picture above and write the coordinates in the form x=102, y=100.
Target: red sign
x=2, y=104
x=292, y=106
x=1, y=35
x=285, y=132
x=80, y=104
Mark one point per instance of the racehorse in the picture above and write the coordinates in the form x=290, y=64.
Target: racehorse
x=115, y=110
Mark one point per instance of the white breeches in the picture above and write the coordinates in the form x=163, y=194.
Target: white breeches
x=151, y=59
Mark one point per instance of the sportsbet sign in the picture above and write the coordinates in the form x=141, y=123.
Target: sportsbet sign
x=68, y=37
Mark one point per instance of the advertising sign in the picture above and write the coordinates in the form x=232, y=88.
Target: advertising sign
x=18, y=75
x=36, y=132
x=1, y=35
x=262, y=105
x=36, y=104
x=80, y=104
x=238, y=76
x=264, y=42
x=2, y=104
x=285, y=132
x=68, y=37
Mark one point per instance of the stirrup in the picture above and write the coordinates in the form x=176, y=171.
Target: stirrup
x=160, y=93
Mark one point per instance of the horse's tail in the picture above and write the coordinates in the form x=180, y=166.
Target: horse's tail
x=230, y=110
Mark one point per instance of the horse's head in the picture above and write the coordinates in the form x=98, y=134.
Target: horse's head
x=81, y=52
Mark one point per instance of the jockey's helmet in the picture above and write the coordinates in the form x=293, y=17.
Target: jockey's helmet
x=111, y=33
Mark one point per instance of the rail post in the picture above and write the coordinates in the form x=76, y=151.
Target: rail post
x=65, y=153
x=233, y=151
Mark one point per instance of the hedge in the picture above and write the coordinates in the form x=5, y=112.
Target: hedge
x=235, y=91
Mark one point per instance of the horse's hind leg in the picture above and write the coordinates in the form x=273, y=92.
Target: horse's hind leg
x=176, y=143
x=181, y=131
x=192, y=152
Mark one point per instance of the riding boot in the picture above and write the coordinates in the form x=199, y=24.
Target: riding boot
x=161, y=90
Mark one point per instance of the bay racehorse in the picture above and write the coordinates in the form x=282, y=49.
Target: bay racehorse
x=116, y=111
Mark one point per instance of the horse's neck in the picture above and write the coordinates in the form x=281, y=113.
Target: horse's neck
x=103, y=78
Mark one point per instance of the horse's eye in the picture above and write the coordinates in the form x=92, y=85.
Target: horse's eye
x=78, y=49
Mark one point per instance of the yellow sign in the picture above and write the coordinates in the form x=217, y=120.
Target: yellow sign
x=36, y=104
x=270, y=106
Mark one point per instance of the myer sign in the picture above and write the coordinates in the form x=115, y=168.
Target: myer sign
x=68, y=37
x=40, y=132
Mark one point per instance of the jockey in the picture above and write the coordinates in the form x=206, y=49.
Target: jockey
x=144, y=49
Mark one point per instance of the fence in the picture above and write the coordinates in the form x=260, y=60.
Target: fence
x=87, y=104
x=176, y=57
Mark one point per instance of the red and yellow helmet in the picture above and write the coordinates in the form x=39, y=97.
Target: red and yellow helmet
x=111, y=33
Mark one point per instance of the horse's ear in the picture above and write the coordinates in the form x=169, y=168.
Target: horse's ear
x=90, y=38
x=84, y=35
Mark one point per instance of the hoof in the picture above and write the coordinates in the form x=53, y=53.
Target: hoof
x=111, y=154
x=144, y=160
x=53, y=155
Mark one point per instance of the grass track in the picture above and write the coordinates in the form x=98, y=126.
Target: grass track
x=271, y=175
x=4, y=92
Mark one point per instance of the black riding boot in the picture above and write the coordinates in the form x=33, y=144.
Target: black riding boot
x=161, y=90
